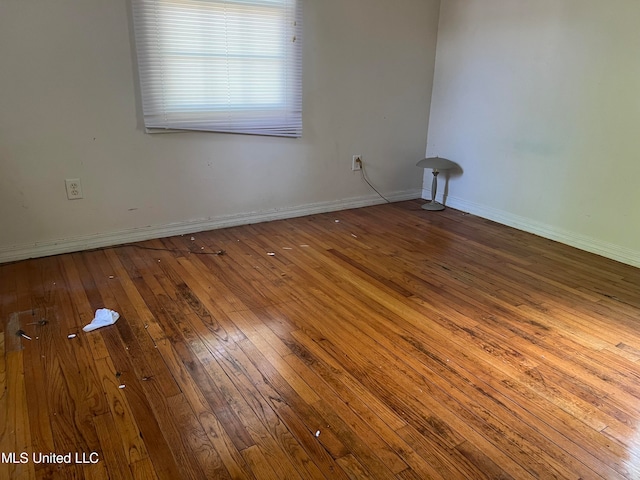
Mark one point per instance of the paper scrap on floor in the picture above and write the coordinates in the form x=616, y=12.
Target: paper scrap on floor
x=103, y=317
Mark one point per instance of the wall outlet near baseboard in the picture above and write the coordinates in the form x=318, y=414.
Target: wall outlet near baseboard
x=356, y=162
x=74, y=188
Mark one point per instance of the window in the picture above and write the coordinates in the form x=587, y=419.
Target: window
x=220, y=65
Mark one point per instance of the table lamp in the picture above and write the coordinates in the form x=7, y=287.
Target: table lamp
x=437, y=164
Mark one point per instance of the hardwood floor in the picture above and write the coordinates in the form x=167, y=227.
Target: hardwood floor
x=383, y=342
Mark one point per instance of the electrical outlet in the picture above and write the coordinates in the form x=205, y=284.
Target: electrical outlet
x=356, y=162
x=74, y=188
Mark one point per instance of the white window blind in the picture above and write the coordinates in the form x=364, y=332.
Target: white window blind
x=220, y=65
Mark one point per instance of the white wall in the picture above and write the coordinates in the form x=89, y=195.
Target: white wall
x=69, y=108
x=539, y=102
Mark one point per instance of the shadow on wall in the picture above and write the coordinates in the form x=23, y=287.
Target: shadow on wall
x=454, y=172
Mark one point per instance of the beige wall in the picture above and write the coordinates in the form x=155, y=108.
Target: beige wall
x=69, y=108
x=540, y=104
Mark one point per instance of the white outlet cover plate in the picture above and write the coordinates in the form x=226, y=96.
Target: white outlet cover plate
x=74, y=188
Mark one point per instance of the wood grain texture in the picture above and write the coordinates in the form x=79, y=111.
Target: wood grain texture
x=392, y=343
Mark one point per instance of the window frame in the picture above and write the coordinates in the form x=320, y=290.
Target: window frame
x=171, y=76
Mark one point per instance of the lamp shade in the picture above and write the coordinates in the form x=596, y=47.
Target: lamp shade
x=437, y=163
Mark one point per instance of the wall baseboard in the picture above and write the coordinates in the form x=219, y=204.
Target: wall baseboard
x=99, y=240
x=582, y=242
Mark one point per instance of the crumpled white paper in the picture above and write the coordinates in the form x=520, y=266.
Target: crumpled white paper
x=103, y=317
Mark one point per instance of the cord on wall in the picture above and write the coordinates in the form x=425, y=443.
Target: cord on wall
x=364, y=177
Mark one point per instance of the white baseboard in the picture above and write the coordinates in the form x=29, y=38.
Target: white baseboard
x=582, y=242
x=87, y=242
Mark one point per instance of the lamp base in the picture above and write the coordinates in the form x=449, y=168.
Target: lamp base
x=433, y=206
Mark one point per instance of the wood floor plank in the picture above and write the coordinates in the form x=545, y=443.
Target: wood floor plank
x=252, y=369
x=341, y=413
x=16, y=437
x=133, y=328
x=196, y=438
x=450, y=430
x=354, y=469
x=369, y=408
x=196, y=396
x=438, y=351
x=177, y=439
x=189, y=346
x=81, y=373
x=151, y=433
x=273, y=350
x=301, y=418
x=275, y=436
x=122, y=417
x=143, y=470
x=362, y=401
x=256, y=460
x=6, y=436
x=221, y=379
x=380, y=462
x=80, y=303
x=113, y=454
x=38, y=394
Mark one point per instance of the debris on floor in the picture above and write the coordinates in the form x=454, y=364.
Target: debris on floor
x=23, y=334
x=317, y=433
x=271, y=254
x=71, y=335
x=103, y=318
x=39, y=323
